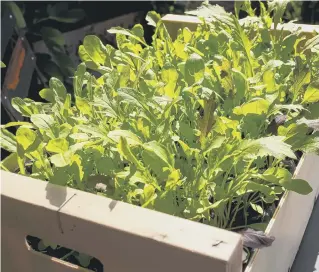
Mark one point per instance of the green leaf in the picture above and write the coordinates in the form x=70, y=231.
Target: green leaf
x=220, y=204
x=165, y=203
x=125, y=150
x=8, y=140
x=214, y=13
x=158, y=167
x=296, y=135
x=21, y=106
x=26, y=138
x=58, y=145
x=14, y=124
x=79, y=136
x=215, y=144
x=42, y=121
x=224, y=125
x=148, y=194
x=258, y=106
x=275, y=146
x=3, y=65
x=105, y=165
x=152, y=18
x=240, y=83
x=62, y=159
x=95, y=49
x=58, y=88
x=313, y=111
x=138, y=30
x=291, y=107
x=257, y=208
x=112, y=79
x=84, y=56
x=302, y=76
x=92, y=130
x=17, y=13
x=47, y=94
x=266, y=146
x=120, y=30
x=76, y=168
x=208, y=120
x=311, y=43
x=60, y=175
x=173, y=180
x=269, y=81
x=169, y=76
x=299, y=186
x=130, y=137
x=83, y=105
x=312, y=93
x=52, y=36
x=159, y=151
x=78, y=79
x=250, y=186
x=194, y=69
x=61, y=13
x=284, y=178
x=133, y=97
x=107, y=107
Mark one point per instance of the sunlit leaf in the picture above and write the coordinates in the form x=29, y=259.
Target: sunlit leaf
x=194, y=69
x=312, y=93
x=259, y=106
x=42, y=121
x=58, y=145
x=126, y=152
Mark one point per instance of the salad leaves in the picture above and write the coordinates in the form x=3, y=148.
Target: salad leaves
x=180, y=126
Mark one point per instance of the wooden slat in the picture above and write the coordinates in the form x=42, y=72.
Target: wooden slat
x=125, y=238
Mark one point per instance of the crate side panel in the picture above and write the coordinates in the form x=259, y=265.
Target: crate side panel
x=123, y=237
x=289, y=223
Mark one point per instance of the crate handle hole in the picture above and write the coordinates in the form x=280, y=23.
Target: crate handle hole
x=64, y=254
